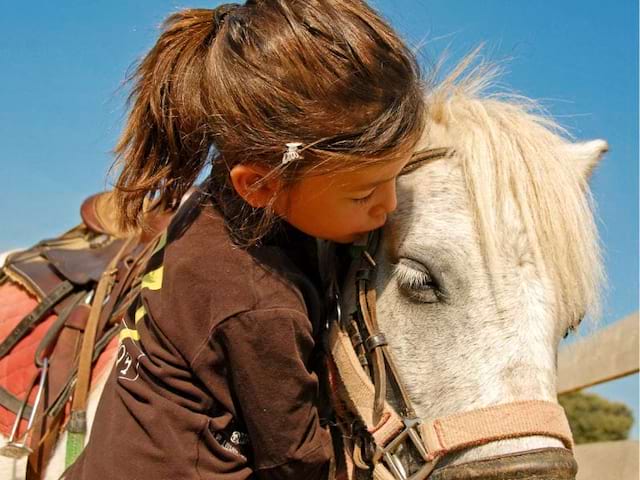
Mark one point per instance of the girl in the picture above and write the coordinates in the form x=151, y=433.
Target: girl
x=306, y=110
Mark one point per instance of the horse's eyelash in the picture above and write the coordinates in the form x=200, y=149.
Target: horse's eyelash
x=410, y=277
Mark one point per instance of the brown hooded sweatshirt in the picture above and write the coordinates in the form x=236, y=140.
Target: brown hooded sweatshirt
x=217, y=372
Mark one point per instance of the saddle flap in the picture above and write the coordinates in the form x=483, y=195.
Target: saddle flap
x=84, y=265
x=34, y=274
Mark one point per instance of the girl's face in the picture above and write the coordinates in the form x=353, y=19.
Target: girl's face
x=340, y=206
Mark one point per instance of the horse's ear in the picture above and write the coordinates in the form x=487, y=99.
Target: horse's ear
x=586, y=155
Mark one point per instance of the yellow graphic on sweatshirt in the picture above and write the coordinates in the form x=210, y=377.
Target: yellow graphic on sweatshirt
x=153, y=279
x=130, y=351
x=140, y=312
x=129, y=333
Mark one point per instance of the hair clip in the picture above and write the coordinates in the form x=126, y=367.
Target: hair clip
x=292, y=153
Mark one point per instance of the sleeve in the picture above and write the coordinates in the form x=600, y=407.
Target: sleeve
x=268, y=354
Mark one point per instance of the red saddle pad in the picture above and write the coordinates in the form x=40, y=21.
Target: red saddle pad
x=18, y=369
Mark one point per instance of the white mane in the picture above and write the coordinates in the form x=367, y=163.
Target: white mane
x=512, y=156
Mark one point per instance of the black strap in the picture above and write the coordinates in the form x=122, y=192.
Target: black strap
x=36, y=315
x=12, y=403
x=54, y=330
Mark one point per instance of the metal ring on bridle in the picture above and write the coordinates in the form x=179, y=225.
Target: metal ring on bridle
x=374, y=341
x=338, y=307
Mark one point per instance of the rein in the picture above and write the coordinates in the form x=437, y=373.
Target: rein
x=362, y=369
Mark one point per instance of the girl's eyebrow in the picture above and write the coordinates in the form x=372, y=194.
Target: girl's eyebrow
x=376, y=183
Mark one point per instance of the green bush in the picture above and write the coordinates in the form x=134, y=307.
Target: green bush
x=595, y=419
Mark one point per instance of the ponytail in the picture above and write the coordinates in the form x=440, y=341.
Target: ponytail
x=166, y=141
x=237, y=83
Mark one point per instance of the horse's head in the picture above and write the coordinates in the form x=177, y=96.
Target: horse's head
x=491, y=257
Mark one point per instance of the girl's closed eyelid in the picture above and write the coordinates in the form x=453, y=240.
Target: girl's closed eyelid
x=364, y=199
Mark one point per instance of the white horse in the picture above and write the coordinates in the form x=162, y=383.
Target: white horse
x=490, y=258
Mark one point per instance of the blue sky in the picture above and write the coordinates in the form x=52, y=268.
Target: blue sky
x=61, y=100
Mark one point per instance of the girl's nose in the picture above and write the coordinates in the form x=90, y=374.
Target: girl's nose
x=388, y=200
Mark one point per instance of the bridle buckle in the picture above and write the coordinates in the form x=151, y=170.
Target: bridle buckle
x=392, y=461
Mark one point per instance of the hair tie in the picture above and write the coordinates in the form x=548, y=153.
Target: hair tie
x=220, y=12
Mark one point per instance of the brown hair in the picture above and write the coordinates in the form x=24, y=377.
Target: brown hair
x=236, y=83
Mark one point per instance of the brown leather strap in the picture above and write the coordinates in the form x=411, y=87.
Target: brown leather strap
x=49, y=431
x=397, y=379
x=126, y=284
x=62, y=361
x=50, y=338
x=374, y=339
x=367, y=309
x=77, y=422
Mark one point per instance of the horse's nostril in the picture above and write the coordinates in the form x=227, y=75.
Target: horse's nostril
x=542, y=464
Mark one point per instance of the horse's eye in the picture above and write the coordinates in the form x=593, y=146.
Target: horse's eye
x=415, y=281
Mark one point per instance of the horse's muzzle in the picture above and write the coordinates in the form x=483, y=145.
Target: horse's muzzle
x=542, y=464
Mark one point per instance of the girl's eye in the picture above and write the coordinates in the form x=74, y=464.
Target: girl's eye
x=364, y=199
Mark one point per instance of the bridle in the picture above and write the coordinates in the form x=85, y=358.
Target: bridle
x=362, y=368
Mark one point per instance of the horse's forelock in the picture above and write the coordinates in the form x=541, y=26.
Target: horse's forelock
x=510, y=152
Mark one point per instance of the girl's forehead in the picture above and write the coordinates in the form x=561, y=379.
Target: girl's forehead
x=367, y=177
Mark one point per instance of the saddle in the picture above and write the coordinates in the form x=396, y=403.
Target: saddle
x=79, y=285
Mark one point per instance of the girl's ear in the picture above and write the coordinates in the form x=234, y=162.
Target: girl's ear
x=251, y=183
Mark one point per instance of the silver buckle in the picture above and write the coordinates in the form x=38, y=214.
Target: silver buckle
x=391, y=460
x=14, y=448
